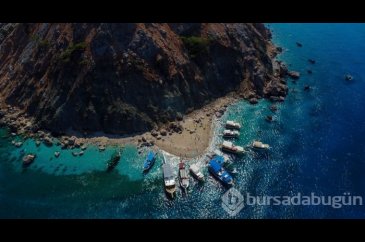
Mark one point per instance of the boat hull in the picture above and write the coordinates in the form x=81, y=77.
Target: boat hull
x=219, y=178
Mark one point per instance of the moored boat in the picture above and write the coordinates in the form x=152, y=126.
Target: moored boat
x=230, y=133
x=102, y=148
x=217, y=170
x=232, y=125
x=260, y=146
x=169, y=179
x=149, y=161
x=230, y=147
x=183, y=176
x=195, y=171
x=57, y=154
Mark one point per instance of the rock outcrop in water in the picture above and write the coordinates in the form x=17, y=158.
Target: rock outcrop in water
x=127, y=78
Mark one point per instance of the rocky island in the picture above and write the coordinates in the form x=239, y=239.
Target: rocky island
x=145, y=83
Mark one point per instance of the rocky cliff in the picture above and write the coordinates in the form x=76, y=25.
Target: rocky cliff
x=127, y=78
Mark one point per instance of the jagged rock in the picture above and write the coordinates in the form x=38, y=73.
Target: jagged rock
x=294, y=75
x=154, y=133
x=253, y=101
x=47, y=141
x=163, y=132
x=179, y=116
x=143, y=139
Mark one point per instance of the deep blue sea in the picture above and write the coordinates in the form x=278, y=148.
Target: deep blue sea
x=317, y=140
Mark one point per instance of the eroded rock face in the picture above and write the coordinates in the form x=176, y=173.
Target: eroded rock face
x=126, y=78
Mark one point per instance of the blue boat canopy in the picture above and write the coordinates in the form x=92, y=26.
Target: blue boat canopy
x=219, y=159
x=150, y=156
x=215, y=165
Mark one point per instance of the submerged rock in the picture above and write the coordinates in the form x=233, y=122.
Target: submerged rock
x=298, y=44
x=311, y=61
x=269, y=118
x=273, y=108
x=28, y=159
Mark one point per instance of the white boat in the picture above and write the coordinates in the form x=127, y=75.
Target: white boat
x=230, y=133
x=57, y=154
x=194, y=169
x=169, y=179
x=259, y=145
x=183, y=175
x=230, y=147
x=232, y=125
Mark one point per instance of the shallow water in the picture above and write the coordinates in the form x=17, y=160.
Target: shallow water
x=317, y=140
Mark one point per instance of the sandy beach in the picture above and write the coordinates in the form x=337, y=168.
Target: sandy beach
x=192, y=141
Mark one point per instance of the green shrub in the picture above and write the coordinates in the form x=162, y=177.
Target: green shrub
x=66, y=54
x=195, y=45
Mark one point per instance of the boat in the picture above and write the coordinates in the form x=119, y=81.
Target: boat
x=149, y=161
x=260, y=146
x=81, y=153
x=169, y=179
x=217, y=170
x=183, y=176
x=220, y=153
x=57, y=154
x=348, y=77
x=28, y=159
x=113, y=161
x=101, y=148
x=230, y=133
x=194, y=170
x=84, y=147
x=232, y=125
x=74, y=153
x=230, y=147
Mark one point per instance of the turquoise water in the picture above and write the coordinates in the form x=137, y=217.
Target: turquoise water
x=317, y=140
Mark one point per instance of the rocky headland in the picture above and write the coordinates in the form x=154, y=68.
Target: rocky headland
x=153, y=84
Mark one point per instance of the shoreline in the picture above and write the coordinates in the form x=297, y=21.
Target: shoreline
x=192, y=141
x=190, y=137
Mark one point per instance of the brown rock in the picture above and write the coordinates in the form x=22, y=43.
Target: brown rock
x=294, y=75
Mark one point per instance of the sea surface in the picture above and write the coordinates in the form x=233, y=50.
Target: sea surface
x=317, y=139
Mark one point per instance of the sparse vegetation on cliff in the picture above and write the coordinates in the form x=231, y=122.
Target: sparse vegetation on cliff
x=195, y=45
x=65, y=56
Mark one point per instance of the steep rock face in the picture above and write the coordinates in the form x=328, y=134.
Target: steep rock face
x=125, y=78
